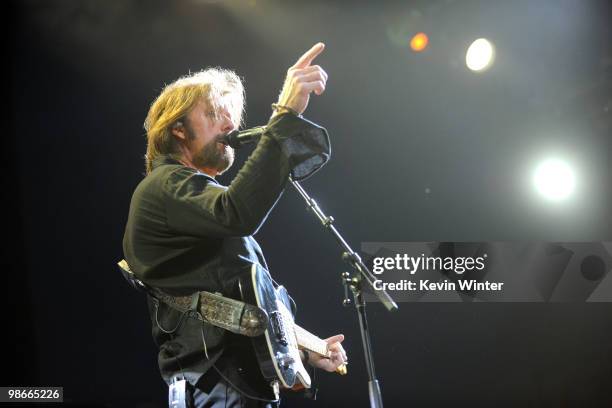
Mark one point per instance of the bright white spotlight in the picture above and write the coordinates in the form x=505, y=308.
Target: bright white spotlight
x=554, y=179
x=480, y=55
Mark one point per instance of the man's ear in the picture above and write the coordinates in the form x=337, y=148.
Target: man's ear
x=178, y=130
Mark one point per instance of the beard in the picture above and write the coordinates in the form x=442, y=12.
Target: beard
x=216, y=156
x=213, y=155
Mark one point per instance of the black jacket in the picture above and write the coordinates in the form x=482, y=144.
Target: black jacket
x=185, y=233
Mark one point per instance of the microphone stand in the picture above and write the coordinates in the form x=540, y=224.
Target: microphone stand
x=361, y=274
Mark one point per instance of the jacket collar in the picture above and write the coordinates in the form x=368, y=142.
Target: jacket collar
x=167, y=159
x=164, y=159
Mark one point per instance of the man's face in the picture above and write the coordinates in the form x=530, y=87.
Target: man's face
x=202, y=129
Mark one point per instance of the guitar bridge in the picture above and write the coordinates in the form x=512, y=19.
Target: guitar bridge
x=278, y=327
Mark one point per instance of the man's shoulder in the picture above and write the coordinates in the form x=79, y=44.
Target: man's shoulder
x=153, y=183
x=172, y=177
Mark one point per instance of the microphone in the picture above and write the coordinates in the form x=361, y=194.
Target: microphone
x=237, y=139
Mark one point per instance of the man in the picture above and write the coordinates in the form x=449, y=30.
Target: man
x=186, y=233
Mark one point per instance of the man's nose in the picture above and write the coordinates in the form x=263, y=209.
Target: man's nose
x=227, y=125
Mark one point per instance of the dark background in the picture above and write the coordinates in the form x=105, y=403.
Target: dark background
x=423, y=149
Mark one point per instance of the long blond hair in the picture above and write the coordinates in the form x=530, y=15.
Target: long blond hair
x=216, y=86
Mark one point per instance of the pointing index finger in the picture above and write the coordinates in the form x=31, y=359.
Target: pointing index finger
x=309, y=55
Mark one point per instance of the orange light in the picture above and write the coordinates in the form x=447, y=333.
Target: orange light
x=419, y=42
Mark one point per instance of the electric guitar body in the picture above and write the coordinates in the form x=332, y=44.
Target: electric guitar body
x=277, y=349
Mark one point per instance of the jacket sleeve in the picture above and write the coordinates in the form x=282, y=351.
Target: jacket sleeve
x=196, y=205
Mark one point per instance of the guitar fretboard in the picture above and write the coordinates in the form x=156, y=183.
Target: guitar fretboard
x=310, y=342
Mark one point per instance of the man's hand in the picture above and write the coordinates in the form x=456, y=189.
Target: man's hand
x=336, y=359
x=302, y=79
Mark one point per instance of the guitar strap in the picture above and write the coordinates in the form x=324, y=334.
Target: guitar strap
x=229, y=314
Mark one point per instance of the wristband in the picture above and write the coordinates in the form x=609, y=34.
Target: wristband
x=276, y=106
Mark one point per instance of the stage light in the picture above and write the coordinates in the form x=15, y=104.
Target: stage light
x=554, y=179
x=480, y=55
x=419, y=42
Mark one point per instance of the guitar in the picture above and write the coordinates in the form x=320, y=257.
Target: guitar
x=278, y=348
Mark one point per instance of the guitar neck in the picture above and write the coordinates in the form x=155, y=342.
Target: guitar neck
x=310, y=342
